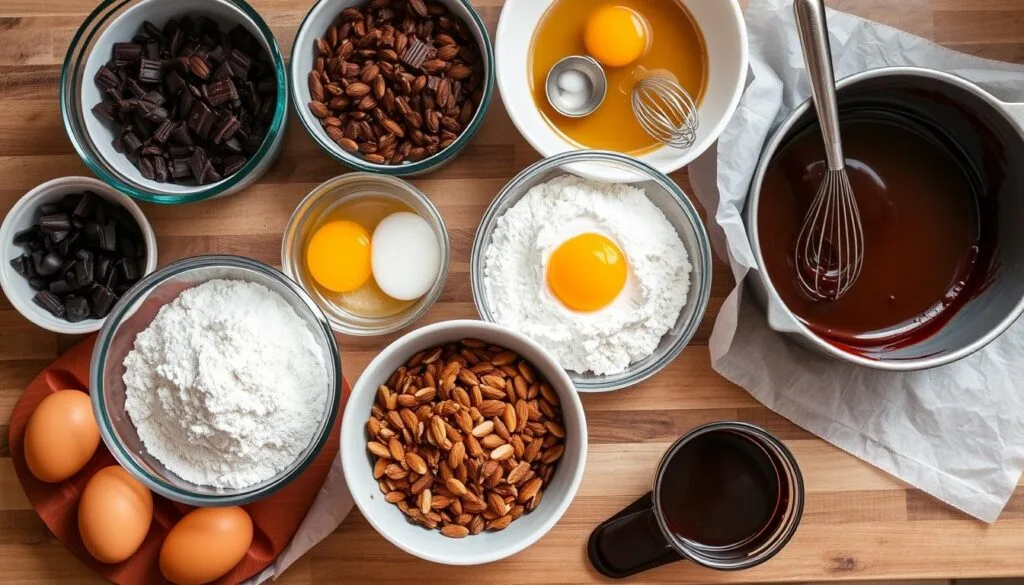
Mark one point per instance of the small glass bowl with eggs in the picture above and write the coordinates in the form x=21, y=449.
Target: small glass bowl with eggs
x=371, y=250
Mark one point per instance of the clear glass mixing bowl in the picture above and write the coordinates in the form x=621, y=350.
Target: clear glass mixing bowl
x=118, y=21
x=134, y=312
x=663, y=193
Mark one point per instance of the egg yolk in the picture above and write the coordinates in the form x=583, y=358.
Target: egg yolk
x=615, y=35
x=338, y=256
x=587, y=272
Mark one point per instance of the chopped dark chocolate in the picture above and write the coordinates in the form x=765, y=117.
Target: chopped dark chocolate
x=62, y=287
x=38, y=283
x=85, y=205
x=21, y=264
x=50, y=302
x=56, y=222
x=108, y=236
x=76, y=309
x=188, y=84
x=102, y=299
x=416, y=53
x=27, y=235
x=126, y=54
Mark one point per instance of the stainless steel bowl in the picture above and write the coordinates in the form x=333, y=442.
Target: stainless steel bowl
x=677, y=208
x=134, y=312
x=927, y=93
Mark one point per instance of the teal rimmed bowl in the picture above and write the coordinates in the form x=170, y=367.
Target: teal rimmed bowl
x=134, y=312
x=663, y=193
x=118, y=21
x=315, y=25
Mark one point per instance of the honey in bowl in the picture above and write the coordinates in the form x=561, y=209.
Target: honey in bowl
x=631, y=39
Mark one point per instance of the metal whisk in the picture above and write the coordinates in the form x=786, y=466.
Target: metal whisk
x=830, y=247
x=665, y=111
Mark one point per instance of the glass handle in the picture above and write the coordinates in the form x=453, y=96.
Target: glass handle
x=630, y=542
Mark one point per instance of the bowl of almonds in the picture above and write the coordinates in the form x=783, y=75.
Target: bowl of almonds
x=463, y=442
x=392, y=86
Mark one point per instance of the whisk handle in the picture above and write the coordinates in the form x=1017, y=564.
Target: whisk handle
x=813, y=29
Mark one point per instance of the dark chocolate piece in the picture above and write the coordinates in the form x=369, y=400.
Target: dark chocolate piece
x=38, y=283
x=62, y=287
x=76, y=309
x=49, y=301
x=57, y=222
x=126, y=53
x=108, y=237
x=21, y=264
x=102, y=299
x=27, y=235
x=150, y=71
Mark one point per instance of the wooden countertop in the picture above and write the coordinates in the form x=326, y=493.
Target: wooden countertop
x=859, y=523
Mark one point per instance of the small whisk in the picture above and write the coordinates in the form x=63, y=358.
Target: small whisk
x=665, y=111
x=830, y=247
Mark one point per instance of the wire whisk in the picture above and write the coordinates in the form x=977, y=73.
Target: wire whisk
x=830, y=247
x=665, y=111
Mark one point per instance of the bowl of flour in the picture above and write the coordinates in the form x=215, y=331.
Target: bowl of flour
x=611, y=278
x=215, y=381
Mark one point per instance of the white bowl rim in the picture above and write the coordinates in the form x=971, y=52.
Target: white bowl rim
x=597, y=173
x=27, y=308
x=352, y=428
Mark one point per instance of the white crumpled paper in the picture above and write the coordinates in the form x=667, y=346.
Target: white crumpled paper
x=956, y=432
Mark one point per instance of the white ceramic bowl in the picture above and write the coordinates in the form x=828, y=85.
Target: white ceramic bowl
x=320, y=17
x=429, y=544
x=725, y=35
x=116, y=21
x=25, y=213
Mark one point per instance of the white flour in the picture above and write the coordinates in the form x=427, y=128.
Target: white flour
x=227, y=385
x=604, y=341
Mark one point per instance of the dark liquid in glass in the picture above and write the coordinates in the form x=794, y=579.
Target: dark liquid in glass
x=722, y=489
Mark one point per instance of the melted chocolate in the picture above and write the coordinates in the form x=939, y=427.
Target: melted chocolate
x=928, y=243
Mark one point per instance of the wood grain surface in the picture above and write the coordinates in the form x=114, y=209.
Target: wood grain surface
x=859, y=524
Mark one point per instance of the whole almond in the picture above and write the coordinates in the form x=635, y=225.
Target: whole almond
x=529, y=491
x=459, y=71
x=370, y=72
x=378, y=449
x=316, y=88
x=357, y=89
x=319, y=109
x=393, y=127
x=397, y=450
x=500, y=523
x=419, y=7
x=456, y=487
x=425, y=501
x=454, y=530
x=502, y=452
x=415, y=463
x=394, y=497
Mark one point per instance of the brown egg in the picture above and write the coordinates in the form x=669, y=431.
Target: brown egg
x=205, y=545
x=114, y=515
x=61, y=436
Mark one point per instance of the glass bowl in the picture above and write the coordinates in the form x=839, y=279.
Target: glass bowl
x=677, y=208
x=315, y=25
x=133, y=313
x=118, y=21
x=324, y=199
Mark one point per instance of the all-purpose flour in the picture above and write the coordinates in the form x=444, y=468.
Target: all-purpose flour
x=227, y=385
x=606, y=341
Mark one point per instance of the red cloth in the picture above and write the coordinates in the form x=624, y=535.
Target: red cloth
x=275, y=519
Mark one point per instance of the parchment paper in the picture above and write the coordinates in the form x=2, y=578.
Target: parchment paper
x=956, y=432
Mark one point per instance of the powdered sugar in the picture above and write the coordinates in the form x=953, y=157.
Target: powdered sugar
x=227, y=385
x=606, y=341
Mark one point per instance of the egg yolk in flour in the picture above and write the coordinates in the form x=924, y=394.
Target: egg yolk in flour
x=587, y=272
x=615, y=35
x=338, y=256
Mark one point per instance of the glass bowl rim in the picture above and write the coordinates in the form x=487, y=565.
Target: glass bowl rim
x=111, y=439
x=406, y=169
x=566, y=159
x=324, y=189
x=74, y=61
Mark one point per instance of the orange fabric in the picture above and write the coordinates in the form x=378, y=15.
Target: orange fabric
x=275, y=519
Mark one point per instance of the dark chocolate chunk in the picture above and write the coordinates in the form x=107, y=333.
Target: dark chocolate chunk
x=174, y=82
x=85, y=205
x=50, y=302
x=104, y=264
x=108, y=236
x=131, y=142
x=146, y=168
x=38, y=283
x=223, y=71
x=105, y=111
x=180, y=151
x=150, y=71
x=83, y=270
x=233, y=164
x=102, y=299
x=106, y=78
x=240, y=63
x=57, y=222
x=27, y=235
x=129, y=270
x=180, y=169
x=219, y=93
x=416, y=53
x=21, y=264
x=126, y=53
x=152, y=150
x=62, y=287
x=199, y=163
x=159, y=170
x=155, y=97
x=136, y=90
x=57, y=237
x=49, y=264
x=76, y=309
x=233, y=145
x=180, y=135
x=200, y=120
x=226, y=129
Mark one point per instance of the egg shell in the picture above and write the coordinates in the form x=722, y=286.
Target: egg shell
x=61, y=436
x=205, y=544
x=406, y=256
x=114, y=515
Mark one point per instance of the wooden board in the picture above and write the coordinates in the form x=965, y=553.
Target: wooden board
x=859, y=523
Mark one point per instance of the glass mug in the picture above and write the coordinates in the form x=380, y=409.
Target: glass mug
x=726, y=496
